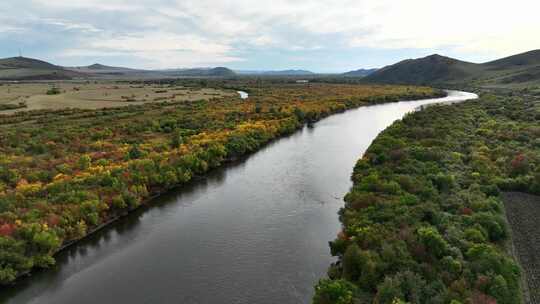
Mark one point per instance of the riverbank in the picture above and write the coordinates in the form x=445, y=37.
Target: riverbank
x=425, y=207
x=111, y=178
x=272, y=213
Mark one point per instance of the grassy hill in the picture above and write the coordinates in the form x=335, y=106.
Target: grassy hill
x=22, y=68
x=430, y=69
x=517, y=70
x=527, y=59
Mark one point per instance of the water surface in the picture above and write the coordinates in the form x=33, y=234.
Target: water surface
x=243, y=95
x=253, y=232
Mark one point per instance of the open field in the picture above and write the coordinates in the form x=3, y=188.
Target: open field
x=92, y=95
x=523, y=212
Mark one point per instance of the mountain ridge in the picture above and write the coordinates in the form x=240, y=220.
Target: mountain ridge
x=437, y=69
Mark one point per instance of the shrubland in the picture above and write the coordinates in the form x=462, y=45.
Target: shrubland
x=423, y=222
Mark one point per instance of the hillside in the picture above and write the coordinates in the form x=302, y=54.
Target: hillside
x=201, y=72
x=427, y=70
x=22, y=68
x=98, y=70
x=526, y=59
x=517, y=70
x=360, y=73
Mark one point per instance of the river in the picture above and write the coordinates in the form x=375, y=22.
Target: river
x=243, y=95
x=256, y=231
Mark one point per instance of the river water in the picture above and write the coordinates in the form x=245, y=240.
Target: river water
x=243, y=95
x=254, y=232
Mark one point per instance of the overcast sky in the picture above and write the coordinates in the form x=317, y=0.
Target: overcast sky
x=319, y=35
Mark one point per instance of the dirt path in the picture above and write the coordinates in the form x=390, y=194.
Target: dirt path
x=523, y=212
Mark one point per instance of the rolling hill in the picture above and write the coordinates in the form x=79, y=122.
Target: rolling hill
x=200, y=72
x=97, y=68
x=436, y=69
x=22, y=68
x=427, y=70
x=359, y=73
x=526, y=59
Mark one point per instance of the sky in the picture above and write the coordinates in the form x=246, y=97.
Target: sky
x=317, y=35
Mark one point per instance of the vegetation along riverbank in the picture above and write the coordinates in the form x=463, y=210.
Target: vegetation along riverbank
x=424, y=222
x=63, y=173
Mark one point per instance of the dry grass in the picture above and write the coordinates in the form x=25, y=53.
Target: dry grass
x=97, y=95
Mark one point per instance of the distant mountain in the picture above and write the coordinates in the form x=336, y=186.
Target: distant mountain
x=276, y=73
x=360, y=73
x=100, y=70
x=22, y=68
x=201, y=72
x=437, y=69
x=97, y=66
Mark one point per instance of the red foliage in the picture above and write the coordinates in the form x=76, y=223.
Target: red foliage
x=482, y=282
x=342, y=236
x=481, y=298
x=466, y=211
x=53, y=220
x=519, y=164
x=7, y=229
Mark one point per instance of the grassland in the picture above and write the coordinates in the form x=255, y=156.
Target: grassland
x=97, y=95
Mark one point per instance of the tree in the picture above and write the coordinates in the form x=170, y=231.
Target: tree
x=177, y=139
x=334, y=292
x=84, y=162
x=434, y=242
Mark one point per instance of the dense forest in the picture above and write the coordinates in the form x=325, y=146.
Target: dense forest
x=424, y=222
x=65, y=173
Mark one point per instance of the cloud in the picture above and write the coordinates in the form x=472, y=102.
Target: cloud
x=212, y=32
x=159, y=50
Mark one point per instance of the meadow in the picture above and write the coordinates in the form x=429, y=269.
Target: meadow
x=16, y=97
